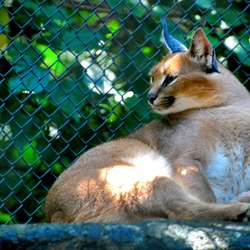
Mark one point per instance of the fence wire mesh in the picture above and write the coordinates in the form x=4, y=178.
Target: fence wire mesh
x=74, y=74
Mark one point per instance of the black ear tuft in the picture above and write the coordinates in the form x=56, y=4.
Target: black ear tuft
x=214, y=67
x=172, y=44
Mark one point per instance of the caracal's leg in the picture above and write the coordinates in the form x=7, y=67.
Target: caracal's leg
x=194, y=181
x=169, y=200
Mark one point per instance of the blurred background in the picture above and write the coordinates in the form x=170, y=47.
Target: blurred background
x=73, y=74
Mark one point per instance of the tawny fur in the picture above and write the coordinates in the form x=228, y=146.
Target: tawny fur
x=194, y=164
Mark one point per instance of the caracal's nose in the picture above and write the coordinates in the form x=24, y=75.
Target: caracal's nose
x=151, y=97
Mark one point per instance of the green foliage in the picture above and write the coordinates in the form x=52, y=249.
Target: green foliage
x=74, y=76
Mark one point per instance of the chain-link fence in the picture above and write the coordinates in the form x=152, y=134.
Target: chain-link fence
x=74, y=74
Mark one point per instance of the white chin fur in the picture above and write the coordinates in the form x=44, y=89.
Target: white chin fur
x=180, y=104
x=167, y=111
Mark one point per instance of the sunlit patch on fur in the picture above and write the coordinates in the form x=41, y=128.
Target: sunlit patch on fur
x=184, y=171
x=143, y=168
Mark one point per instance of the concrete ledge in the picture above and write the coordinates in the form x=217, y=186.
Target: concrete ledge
x=145, y=235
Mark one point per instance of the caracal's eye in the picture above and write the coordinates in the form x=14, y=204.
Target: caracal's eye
x=168, y=80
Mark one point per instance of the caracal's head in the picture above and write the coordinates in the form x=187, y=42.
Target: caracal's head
x=182, y=80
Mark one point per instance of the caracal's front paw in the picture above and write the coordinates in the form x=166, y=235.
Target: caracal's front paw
x=243, y=197
x=240, y=212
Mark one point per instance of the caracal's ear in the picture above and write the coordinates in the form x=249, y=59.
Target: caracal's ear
x=203, y=51
x=171, y=43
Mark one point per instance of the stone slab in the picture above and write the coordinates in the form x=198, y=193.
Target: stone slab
x=146, y=235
